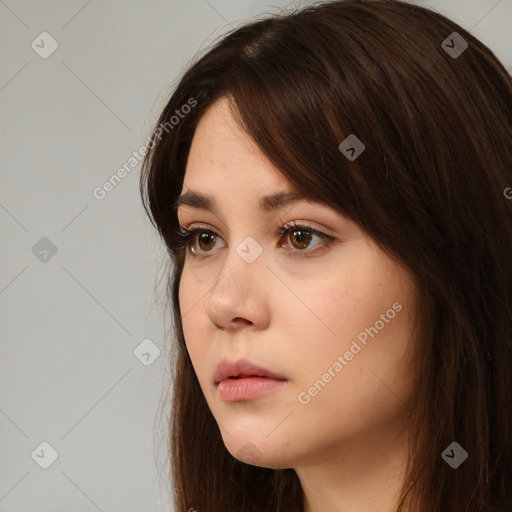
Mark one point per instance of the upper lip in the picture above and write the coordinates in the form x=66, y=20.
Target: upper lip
x=242, y=367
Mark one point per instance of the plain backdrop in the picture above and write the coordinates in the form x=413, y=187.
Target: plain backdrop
x=84, y=359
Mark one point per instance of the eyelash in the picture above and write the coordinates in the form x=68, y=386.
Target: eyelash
x=185, y=237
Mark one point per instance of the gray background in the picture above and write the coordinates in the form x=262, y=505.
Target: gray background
x=72, y=320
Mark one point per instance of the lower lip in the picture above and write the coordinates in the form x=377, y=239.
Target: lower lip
x=249, y=388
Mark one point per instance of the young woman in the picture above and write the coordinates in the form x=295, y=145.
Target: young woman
x=333, y=186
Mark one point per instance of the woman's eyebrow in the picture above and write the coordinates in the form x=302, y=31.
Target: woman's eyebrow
x=266, y=204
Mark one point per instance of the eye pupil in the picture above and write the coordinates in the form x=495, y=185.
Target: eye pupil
x=304, y=238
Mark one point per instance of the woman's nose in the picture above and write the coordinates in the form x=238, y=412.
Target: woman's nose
x=240, y=296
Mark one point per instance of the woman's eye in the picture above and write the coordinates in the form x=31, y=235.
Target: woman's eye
x=206, y=240
x=193, y=238
x=298, y=239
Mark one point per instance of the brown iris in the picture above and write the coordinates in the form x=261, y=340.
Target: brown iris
x=303, y=238
x=206, y=238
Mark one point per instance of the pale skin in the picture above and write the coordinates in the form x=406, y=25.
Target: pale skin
x=294, y=316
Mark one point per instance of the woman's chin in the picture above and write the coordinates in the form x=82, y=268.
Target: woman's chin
x=257, y=452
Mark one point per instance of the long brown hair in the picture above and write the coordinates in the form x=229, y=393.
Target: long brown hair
x=430, y=188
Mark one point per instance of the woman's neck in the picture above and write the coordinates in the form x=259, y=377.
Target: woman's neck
x=367, y=478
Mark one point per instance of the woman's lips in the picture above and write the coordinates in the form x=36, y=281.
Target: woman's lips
x=246, y=388
x=243, y=380
x=241, y=368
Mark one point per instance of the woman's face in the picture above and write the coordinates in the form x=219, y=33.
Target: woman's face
x=327, y=322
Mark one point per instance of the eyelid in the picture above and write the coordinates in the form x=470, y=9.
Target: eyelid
x=189, y=236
